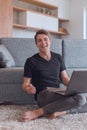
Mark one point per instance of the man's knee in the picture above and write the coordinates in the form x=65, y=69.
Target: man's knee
x=80, y=98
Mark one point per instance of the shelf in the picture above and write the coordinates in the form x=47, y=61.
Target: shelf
x=62, y=30
x=16, y=8
x=62, y=33
x=35, y=29
x=63, y=20
x=29, y=19
x=20, y=26
x=41, y=4
x=34, y=19
x=19, y=8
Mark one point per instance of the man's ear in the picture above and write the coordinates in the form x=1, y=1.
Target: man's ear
x=50, y=40
x=36, y=45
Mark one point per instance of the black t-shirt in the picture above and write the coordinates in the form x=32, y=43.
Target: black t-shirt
x=44, y=73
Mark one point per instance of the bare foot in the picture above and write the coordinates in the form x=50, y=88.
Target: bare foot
x=56, y=114
x=31, y=115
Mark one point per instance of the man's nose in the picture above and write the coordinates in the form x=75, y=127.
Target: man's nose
x=43, y=41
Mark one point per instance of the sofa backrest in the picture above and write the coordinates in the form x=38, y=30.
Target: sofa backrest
x=22, y=48
x=75, y=53
x=19, y=48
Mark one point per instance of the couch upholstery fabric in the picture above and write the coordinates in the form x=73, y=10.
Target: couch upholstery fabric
x=73, y=51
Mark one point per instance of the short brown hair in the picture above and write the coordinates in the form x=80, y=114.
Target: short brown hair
x=42, y=31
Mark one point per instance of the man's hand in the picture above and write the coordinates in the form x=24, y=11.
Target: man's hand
x=29, y=88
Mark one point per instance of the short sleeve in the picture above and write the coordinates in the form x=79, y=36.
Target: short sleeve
x=28, y=69
x=62, y=67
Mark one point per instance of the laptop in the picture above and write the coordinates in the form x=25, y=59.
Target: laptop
x=77, y=84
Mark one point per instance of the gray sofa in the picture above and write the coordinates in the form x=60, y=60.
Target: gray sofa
x=11, y=76
x=74, y=53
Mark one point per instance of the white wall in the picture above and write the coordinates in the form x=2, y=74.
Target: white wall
x=76, y=18
x=63, y=7
x=63, y=12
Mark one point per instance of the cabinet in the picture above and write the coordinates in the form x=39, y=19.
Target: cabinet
x=43, y=15
x=6, y=18
x=24, y=18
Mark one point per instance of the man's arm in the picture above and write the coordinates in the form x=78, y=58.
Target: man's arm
x=27, y=86
x=64, y=77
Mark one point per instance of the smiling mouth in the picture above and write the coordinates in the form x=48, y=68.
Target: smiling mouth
x=44, y=46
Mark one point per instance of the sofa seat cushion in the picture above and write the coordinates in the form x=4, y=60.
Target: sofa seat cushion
x=6, y=59
x=12, y=75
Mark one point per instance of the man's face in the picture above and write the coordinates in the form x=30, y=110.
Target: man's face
x=43, y=42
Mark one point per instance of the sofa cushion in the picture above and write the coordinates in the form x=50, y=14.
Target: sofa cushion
x=6, y=60
x=75, y=53
x=20, y=49
x=56, y=46
x=2, y=61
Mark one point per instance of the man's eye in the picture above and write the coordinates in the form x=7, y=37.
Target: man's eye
x=39, y=40
x=45, y=39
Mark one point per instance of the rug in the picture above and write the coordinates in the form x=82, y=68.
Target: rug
x=10, y=120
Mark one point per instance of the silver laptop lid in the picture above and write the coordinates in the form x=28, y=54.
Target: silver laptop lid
x=78, y=83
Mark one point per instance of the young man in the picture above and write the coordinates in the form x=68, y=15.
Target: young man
x=42, y=70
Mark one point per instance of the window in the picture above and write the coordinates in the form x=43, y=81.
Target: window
x=85, y=23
